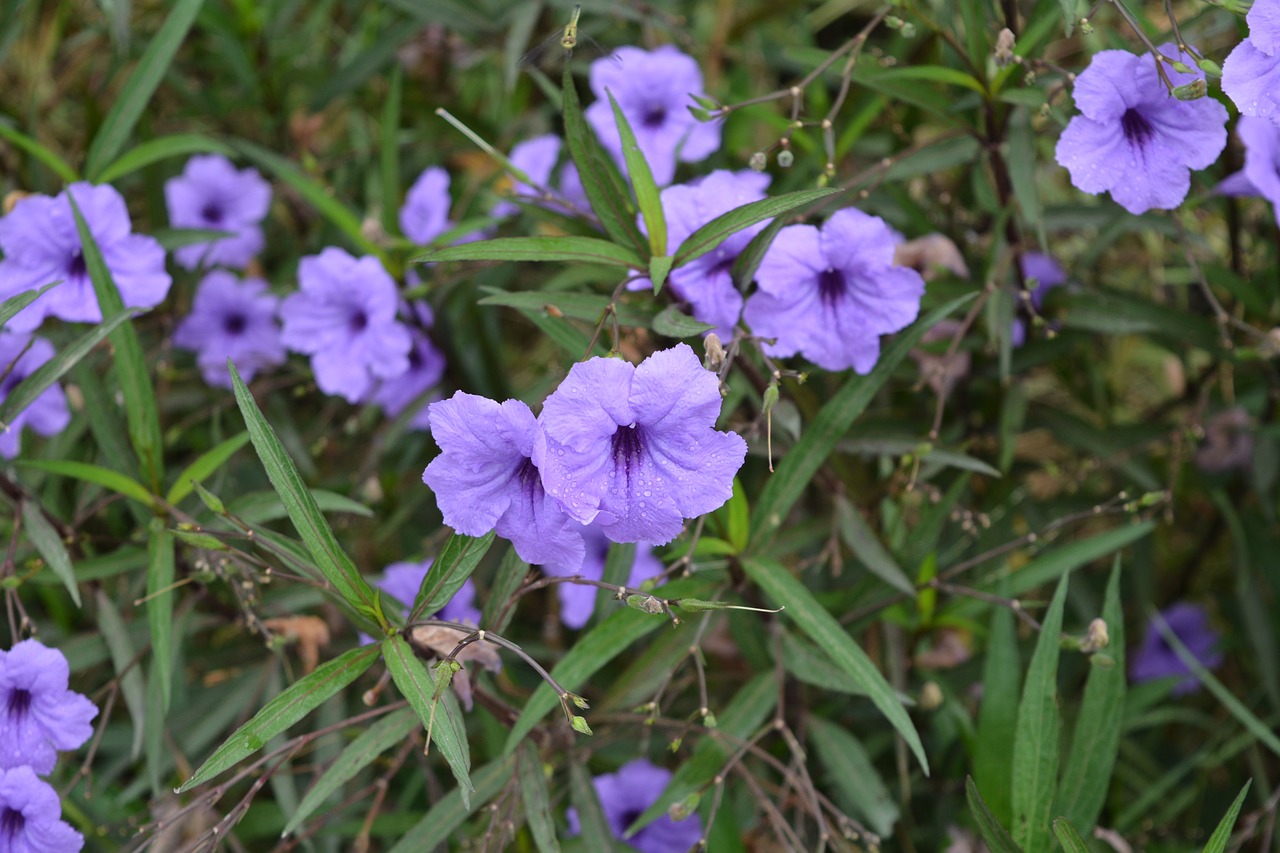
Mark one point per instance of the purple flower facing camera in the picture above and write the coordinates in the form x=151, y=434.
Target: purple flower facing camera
x=232, y=319
x=47, y=414
x=626, y=794
x=212, y=194
x=1156, y=659
x=41, y=715
x=31, y=816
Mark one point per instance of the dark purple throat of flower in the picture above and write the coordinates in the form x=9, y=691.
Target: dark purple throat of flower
x=19, y=705
x=654, y=117
x=211, y=213
x=358, y=323
x=1137, y=130
x=628, y=444
x=76, y=267
x=831, y=286
x=235, y=324
x=12, y=824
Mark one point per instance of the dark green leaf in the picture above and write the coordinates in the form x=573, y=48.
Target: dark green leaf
x=579, y=306
x=715, y=232
x=864, y=543
x=850, y=769
x=160, y=603
x=49, y=158
x=674, y=323
x=47, y=541
x=1062, y=561
x=996, y=836
x=450, y=570
x=204, y=465
x=993, y=751
x=537, y=801
x=587, y=250
x=596, y=832
x=1221, y=835
x=659, y=267
x=647, y=197
x=96, y=474
x=1068, y=837
x=123, y=657
x=155, y=150
x=441, y=823
x=11, y=306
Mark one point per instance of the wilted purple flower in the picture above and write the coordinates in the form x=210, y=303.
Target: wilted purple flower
x=344, y=317
x=1156, y=659
x=486, y=480
x=625, y=795
x=1048, y=274
x=47, y=414
x=232, y=319
x=578, y=601
x=537, y=159
x=830, y=294
x=1228, y=442
x=42, y=716
x=212, y=194
x=31, y=816
x=652, y=88
x=426, y=366
x=930, y=255
x=41, y=245
x=1133, y=138
x=635, y=448
x=402, y=581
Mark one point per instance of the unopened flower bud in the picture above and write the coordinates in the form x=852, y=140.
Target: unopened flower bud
x=786, y=158
x=930, y=696
x=1192, y=91
x=580, y=725
x=908, y=30
x=893, y=22
x=1208, y=66
x=1180, y=67
x=1096, y=638
x=1086, y=27
x=1004, y=47
x=714, y=352
x=758, y=161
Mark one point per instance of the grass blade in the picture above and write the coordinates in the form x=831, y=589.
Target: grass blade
x=587, y=250
x=155, y=150
x=715, y=232
x=1068, y=837
x=993, y=751
x=11, y=306
x=116, y=635
x=50, y=546
x=204, y=465
x=96, y=474
x=50, y=159
x=160, y=604
x=1218, y=841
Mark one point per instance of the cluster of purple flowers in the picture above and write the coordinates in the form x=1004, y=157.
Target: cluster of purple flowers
x=1251, y=72
x=39, y=716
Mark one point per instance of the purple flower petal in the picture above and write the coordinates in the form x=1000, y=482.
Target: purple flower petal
x=425, y=214
x=212, y=194
x=32, y=813
x=626, y=794
x=1261, y=156
x=48, y=413
x=1264, y=26
x=42, y=716
x=1156, y=659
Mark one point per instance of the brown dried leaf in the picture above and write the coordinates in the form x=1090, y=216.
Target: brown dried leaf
x=310, y=633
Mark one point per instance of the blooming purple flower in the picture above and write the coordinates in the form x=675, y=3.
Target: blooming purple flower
x=625, y=795
x=42, y=715
x=1155, y=659
x=402, y=581
x=578, y=601
x=537, y=159
x=1261, y=169
x=48, y=413
x=41, y=245
x=231, y=319
x=425, y=214
x=1048, y=274
x=831, y=293
x=31, y=816
x=344, y=317
x=212, y=194
x=486, y=480
x=635, y=448
x=652, y=88
x=426, y=366
x=1133, y=138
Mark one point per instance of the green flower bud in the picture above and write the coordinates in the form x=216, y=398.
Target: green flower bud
x=786, y=158
x=683, y=809
x=580, y=725
x=1208, y=66
x=1192, y=91
x=758, y=161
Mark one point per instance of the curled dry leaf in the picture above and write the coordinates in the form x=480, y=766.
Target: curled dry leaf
x=310, y=633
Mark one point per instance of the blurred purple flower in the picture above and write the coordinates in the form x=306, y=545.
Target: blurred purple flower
x=635, y=448
x=484, y=479
x=426, y=366
x=1155, y=659
x=831, y=293
x=41, y=245
x=578, y=601
x=48, y=413
x=652, y=89
x=537, y=158
x=42, y=715
x=425, y=214
x=625, y=795
x=344, y=317
x=232, y=319
x=212, y=194
x=31, y=816
x=1048, y=274
x=402, y=581
x=1133, y=138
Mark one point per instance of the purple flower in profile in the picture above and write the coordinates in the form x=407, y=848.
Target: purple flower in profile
x=625, y=795
x=402, y=581
x=42, y=715
x=211, y=193
x=41, y=245
x=231, y=319
x=1133, y=138
x=425, y=214
x=635, y=448
x=652, y=89
x=1048, y=274
x=1261, y=156
x=426, y=366
x=831, y=293
x=1251, y=73
x=344, y=317
x=1156, y=659
x=578, y=601
x=31, y=816
x=485, y=479
x=537, y=158
x=47, y=414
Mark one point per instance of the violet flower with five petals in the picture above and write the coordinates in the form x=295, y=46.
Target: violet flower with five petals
x=232, y=319
x=635, y=448
x=41, y=715
x=31, y=816
x=626, y=794
x=212, y=194
x=47, y=414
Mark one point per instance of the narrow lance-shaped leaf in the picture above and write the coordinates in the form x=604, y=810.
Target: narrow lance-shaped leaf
x=536, y=799
x=996, y=836
x=1068, y=837
x=96, y=474
x=120, y=646
x=205, y=465
x=1218, y=841
x=160, y=604
x=450, y=570
x=155, y=150
x=11, y=306
x=47, y=541
x=46, y=156
x=587, y=250
x=715, y=232
x=441, y=823
x=648, y=199
x=993, y=752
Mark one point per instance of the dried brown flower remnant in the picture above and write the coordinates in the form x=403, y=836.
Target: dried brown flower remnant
x=442, y=641
x=938, y=370
x=1228, y=442
x=1004, y=47
x=931, y=255
x=310, y=633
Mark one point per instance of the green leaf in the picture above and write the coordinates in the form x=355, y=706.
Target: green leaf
x=587, y=250
x=204, y=465
x=160, y=604
x=510, y=575
x=1021, y=160
x=316, y=534
x=49, y=158
x=127, y=109
x=821, y=627
x=710, y=236
x=1070, y=15
x=52, y=370
x=123, y=658
x=1096, y=743
x=996, y=836
x=172, y=239
x=744, y=268
x=796, y=470
x=647, y=197
x=96, y=474
x=11, y=306
x=1221, y=835
x=737, y=517
x=131, y=365
x=155, y=150
x=1035, y=740
x=390, y=731
x=1068, y=837
x=536, y=799
x=50, y=546
x=579, y=306
x=450, y=570
x=851, y=772
x=447, y=815
x=659, y=267
x=596, y=832
x=865, y=545
x=1061, y=561
x=415, y=684
x=298, y=700
x=674, y=323
x=993, y=751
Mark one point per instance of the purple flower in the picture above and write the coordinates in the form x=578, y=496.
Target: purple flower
x=232, y=319
x=1133, y=138
x=652, y=88
x=1048, y=274
x=578, y=601
x=42, y=715
x=625, y=795
x=402, y=581
x=426, y=366
x=1155, y=659
x=212, y=194
x=344, y=317
x=537, y=159
x=486, y=480
x=1251, y=78
x=1264, y=26
x=1261, y=156
x=830, y=294
x=47, y=414
x=635, y=448
x=30, y=816
x=41, y=245
x=707, y=283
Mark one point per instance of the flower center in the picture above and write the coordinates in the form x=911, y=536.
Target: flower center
x=76, y=266
x=235, y=324
x=627, y=446
x=358, y=323
x=211, y=213
x=1136, y=127
x=19, y=704
x=654, y=117
x=415, y=359
x=12, y=823
x=831, y=286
